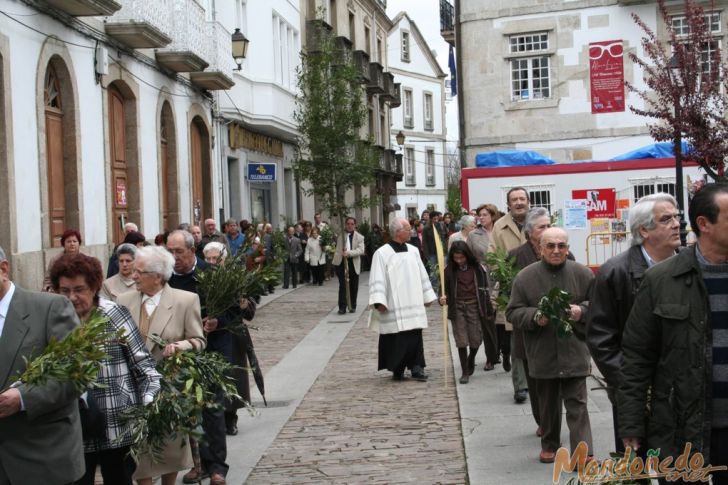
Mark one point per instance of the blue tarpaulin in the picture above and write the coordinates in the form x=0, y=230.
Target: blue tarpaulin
x=511, y=158
x=656, y=150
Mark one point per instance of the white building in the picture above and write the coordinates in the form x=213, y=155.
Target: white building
x=106, y=116
x=421, y=118
x=258, y=132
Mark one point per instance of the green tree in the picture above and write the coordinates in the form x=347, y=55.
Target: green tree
x=330, y=114
x=686, y=85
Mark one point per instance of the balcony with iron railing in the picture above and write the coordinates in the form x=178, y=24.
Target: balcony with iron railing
x=342, y=46
x=316, y=30
x=141, y=24
x=396, y=100
x=398, y=175
x=219, y=74
x=376, y=78
x=187, y=52
x=389, y=161
x=389, y=89
x=447, y=21
x=86, y=8
x=361, y=62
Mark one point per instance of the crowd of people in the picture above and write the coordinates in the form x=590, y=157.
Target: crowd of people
x=659, y=336
x=653, y=320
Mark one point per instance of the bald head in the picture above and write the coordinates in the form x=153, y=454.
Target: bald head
x=554, y=246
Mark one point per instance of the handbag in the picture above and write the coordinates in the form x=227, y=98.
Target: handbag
x=93, y=421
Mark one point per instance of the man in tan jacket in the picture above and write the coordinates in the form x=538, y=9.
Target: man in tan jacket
x=507, y=235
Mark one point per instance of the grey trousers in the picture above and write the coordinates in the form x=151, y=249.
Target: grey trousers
x=518, y=373
x=571, y=392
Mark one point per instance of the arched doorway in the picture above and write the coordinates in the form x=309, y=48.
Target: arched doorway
x=169, y=192
x=201, y=170
x=60, y=151
x=124, y=165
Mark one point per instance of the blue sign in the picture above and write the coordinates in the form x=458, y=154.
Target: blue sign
x=262, y=172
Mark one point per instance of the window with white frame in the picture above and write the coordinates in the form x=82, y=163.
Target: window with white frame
x=408, y=109
x=710, y=48
x=241, y=15
x=285, y=52
x=405, y=51
x=430, y=167
x=530, y=66
x=410, y=176
x=540, y=198
x=641, y=188
x=427, y=111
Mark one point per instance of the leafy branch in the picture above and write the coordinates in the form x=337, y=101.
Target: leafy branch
x=503, y=270
x=556, y=307
x=191, y=382
x=76, y=359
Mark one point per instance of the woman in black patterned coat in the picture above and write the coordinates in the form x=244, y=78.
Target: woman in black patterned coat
x=128, y=376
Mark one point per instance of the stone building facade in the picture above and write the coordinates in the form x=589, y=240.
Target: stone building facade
x=362, y=26
x=524, y=74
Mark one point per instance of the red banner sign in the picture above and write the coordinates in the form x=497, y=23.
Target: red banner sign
x=599, y=202
x=606, y=73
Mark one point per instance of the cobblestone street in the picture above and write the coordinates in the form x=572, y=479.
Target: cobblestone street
x=333, y=418
x=357, y=425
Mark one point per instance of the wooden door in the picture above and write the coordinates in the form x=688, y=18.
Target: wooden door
x=119, y=169
x=54, y=153
x=198, y=200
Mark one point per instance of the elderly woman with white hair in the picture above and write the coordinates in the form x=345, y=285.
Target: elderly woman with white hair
x=174, y=316
x=122, y=281
x=467, y=225
x=215, y=252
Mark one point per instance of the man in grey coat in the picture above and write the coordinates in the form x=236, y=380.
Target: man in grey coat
x=40, y=431
x=560, y=365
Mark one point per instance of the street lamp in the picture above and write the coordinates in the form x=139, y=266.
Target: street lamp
x=677, y=147
x=400, y=138
x=240, y=48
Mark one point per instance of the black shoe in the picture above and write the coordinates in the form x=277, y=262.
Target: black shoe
x=520, y=396
x=507, y=362
x=271, y=290
x=342, y=312
x=398, y=376
x=295, y=286
x=420, y=376
x=231, y=429
x=352, y=310
x=321, y=284
x=285, y=288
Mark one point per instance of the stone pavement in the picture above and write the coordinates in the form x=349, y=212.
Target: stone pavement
x=332, y=418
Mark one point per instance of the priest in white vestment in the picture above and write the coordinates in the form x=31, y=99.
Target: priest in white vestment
x=399, y=291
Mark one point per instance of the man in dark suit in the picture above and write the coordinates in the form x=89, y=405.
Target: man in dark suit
x=40, y=431
x=293, y=252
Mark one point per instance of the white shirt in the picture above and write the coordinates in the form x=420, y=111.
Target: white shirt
x=152, y=302
x=5, y=305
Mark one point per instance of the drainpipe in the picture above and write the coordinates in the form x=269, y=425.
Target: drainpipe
x=461, y=93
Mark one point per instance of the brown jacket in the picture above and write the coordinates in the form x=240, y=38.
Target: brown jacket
x=551, y=356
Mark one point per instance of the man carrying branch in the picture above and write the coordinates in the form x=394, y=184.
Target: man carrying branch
x=40, y=429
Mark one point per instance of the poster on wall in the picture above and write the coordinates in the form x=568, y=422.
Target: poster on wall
x=606, y=75
x=575, y=214
x=599, y=202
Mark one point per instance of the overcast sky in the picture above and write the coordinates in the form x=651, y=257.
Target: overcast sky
x=426, y=14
